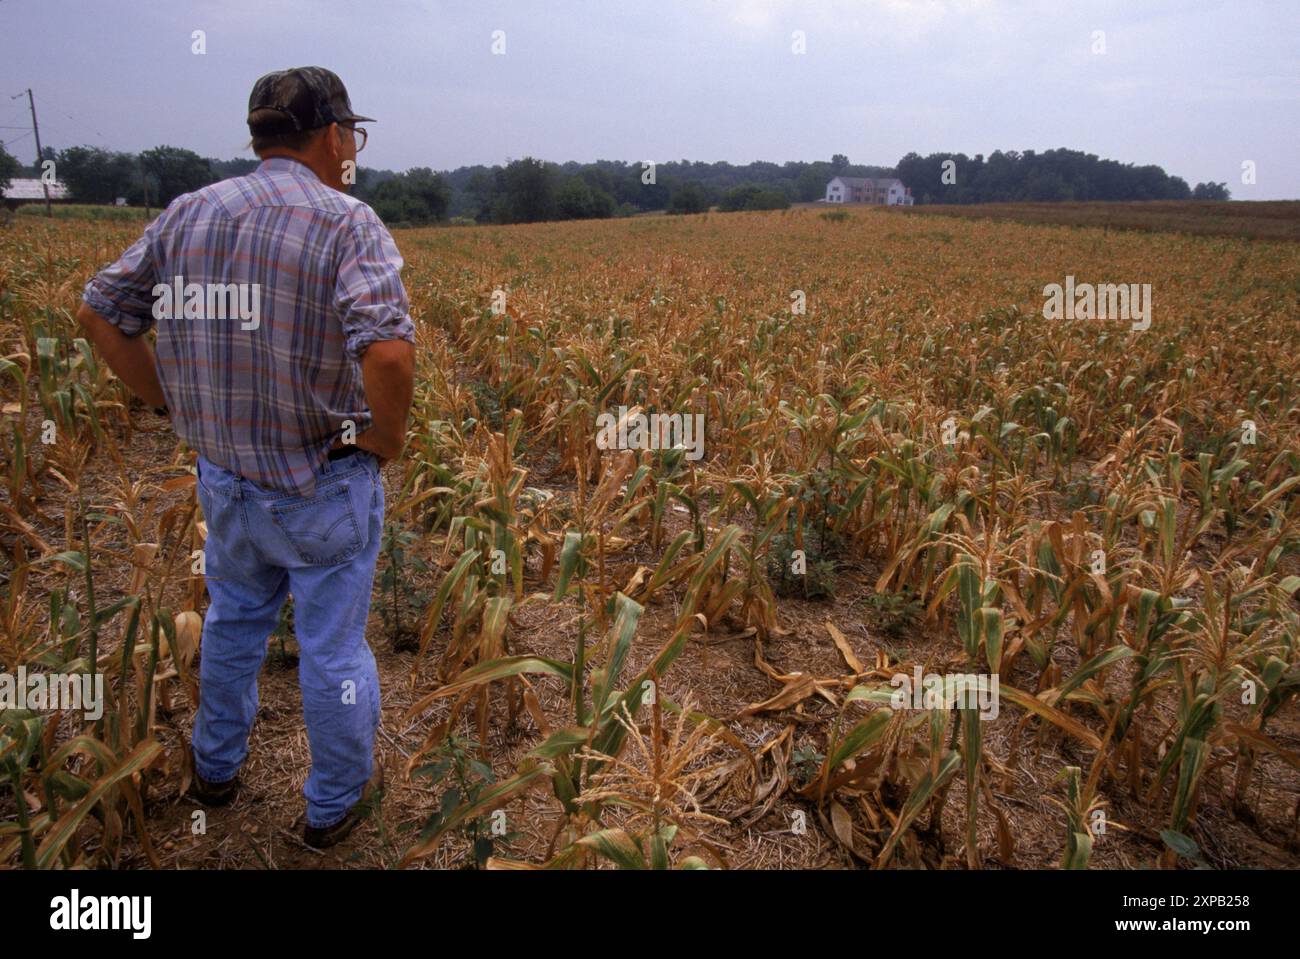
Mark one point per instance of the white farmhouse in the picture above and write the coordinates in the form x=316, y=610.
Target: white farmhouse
x=882, y=191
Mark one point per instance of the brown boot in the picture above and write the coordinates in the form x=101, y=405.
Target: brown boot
x=322, y=837
x=212, y=794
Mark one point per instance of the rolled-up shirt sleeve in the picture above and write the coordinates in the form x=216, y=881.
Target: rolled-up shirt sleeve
x=122, y=293
x=371, y=299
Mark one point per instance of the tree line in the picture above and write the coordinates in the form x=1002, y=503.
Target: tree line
x=156, y=177
x=1047, y=177
x=530, y=190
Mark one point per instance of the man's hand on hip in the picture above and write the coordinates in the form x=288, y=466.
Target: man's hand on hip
x=388, y=372
x=384, y=448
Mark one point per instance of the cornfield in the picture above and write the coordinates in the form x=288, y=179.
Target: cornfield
x=607, y=658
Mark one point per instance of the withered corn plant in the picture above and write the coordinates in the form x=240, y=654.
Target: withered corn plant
x=1106, y=520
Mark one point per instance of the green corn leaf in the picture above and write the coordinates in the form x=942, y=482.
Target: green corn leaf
x=1094, y=666
x=570, y=553
x=627, y=615
x=860, y=737
x=1195, y=753
x=561, y=742
x=921, y=794
x=991, y=627
x=616, y=846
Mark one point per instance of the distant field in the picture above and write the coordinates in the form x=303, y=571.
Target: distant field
x=1264, y=220
x=87, y=211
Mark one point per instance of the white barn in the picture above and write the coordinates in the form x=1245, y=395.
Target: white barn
x=882, y=191
x=29, y=190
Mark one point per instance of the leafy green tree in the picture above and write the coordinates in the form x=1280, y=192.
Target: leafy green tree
x=176, y=171
x=1047, y=187
x=1050, y=176
x=9, y=167
x=752, y=196
x=240, y=166
x=417, y=196
x=577, y=199
x=688, y=198
x=810, y=182
x=525, y=192
x=1211, y=191
x=480, y=191
x=95, y=175
x=598, y=178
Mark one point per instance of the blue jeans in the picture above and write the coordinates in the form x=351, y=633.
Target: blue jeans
x=262, y=545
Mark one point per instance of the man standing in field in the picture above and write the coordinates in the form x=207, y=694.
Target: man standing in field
x=285, y=359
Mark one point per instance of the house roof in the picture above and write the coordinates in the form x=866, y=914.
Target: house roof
x=30, y=189
x=877, y=182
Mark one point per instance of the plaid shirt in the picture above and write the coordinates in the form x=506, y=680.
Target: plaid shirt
x=265, y=402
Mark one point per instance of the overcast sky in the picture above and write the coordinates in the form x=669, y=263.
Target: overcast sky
x=1197, y=86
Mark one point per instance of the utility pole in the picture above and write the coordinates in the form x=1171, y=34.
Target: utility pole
x=37, y=131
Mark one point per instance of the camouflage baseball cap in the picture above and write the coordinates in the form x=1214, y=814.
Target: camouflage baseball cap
x=306, y=98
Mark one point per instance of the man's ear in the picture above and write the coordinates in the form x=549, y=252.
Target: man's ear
x=323, y=146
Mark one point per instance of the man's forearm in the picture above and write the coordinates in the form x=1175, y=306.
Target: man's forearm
x=388, y=373
x=130, y=357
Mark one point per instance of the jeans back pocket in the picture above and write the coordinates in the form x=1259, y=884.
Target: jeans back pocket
x=322, y=530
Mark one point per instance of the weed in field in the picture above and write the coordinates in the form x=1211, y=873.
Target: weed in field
x=895, y=615
x=796, y=571
x=398, y=601
x=466, y=778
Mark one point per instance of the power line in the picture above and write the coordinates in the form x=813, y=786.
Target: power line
x=63, y=113
x=80, y=123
